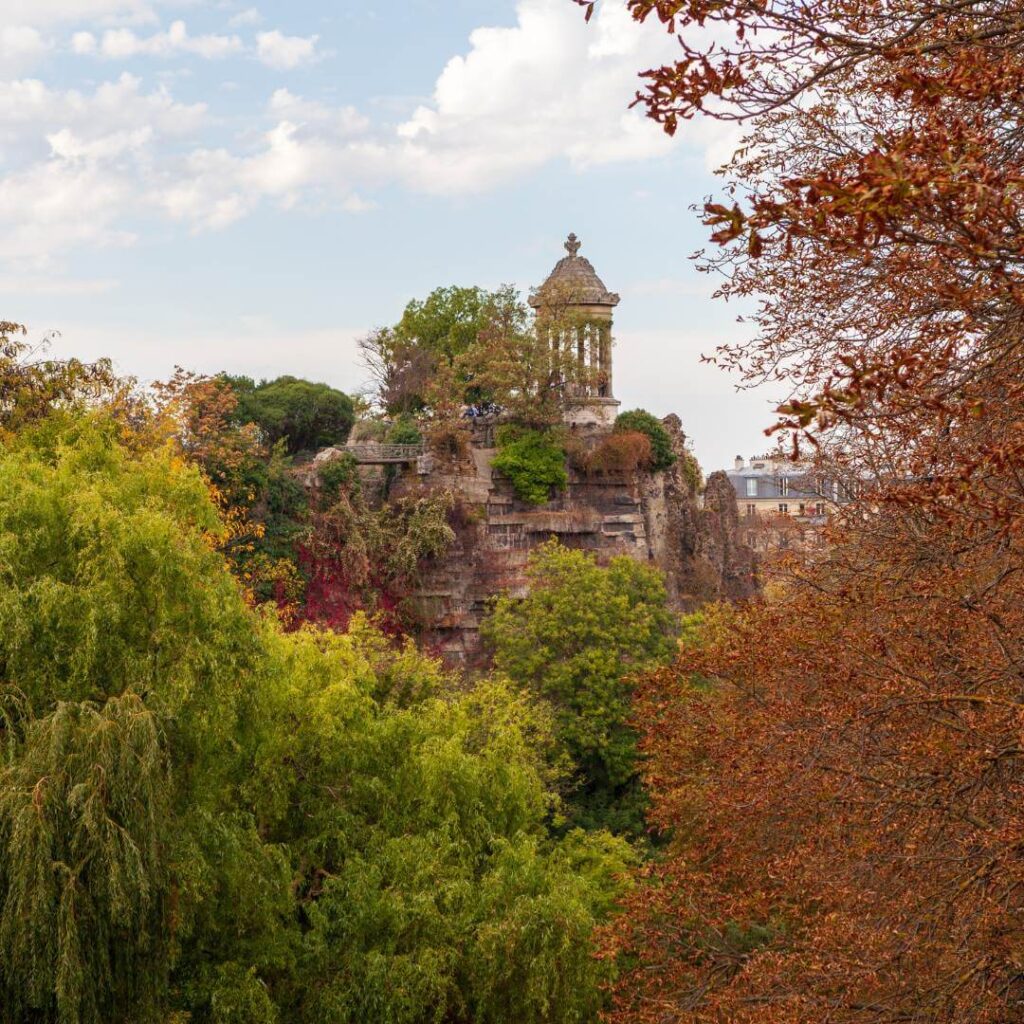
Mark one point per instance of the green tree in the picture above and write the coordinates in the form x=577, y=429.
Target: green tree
x=126, y=653
x=431, y=334
x=448, y=321
x=303, y=414
x=577, y=638
x=204, y=815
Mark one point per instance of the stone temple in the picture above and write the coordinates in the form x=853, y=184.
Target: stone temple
x=662, y=517
x=574, y=309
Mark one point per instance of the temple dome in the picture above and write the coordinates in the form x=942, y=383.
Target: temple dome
x=573, y=281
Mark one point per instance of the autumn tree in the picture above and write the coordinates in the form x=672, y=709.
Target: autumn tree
x=33, y=386
x=845, y=796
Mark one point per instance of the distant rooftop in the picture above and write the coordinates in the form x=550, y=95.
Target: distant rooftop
x=771, y=464
x=574, y=280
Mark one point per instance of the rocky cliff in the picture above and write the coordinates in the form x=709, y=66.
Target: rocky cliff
x=655, y=517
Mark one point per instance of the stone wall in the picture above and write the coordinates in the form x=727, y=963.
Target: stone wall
x=653, y=517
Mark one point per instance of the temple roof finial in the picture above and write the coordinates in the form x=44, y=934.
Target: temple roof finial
x=573, y=282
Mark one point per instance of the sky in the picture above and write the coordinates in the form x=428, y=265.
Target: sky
x=223, y=186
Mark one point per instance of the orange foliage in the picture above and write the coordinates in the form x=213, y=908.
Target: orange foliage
x=623, y=452
x=846, y=794
x=847, y=797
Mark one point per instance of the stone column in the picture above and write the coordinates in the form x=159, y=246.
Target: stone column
x=606, y=357
x=594, y=348
x=581, y=359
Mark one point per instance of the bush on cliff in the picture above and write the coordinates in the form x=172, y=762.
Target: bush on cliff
x=533, y=461
x=640, y=420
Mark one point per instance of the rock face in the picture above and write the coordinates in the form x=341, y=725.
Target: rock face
x=733, y=563
x=696, y=544
x=653, y=517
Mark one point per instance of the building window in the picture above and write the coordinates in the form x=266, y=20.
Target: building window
x=819, y=508
x=751, y=510
x=783, y=486
x=783, y=507
x=803, y=509
x=751, y=488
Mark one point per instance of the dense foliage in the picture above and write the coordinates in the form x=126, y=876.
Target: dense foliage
x=467, y=348
x=431, y=335
x=846, y=797
x=361, y=558
x=533, y=461
x=641, y=421
x=303, y=415
x=308, y=541
x=579, y=638
x=201, y=814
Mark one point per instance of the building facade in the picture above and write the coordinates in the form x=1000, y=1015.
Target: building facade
x=774, y=485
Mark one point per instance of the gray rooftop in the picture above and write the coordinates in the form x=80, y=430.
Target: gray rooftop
x=574, y=280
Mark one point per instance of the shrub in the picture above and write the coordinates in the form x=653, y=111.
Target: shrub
x=368, y=431
x=404, y=431
x=691, y=471
x=534, y=463
x=625, y=451
x=640, y=420
x=338, y=475
x=449, y=440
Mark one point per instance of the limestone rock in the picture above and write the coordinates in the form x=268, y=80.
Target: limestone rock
x=653, y=517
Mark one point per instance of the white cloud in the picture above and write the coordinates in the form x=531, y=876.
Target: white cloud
x=547, y=88
x=337, y=121
x=83, y=43
x=52, y=12
x=283, y=52
x=65, y=145
x=60, y=204
x=29, y=110
x=123, y=43
x=93, y=176
x=214, y=188
x=356, y=204
x=250, y=16
x=20, y=47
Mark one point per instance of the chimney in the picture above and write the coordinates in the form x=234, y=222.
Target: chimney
x=739, y=461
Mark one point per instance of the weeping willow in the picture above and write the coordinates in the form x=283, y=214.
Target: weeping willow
x=84, y=822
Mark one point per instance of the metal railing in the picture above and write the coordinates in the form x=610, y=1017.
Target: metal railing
x=383, y=453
